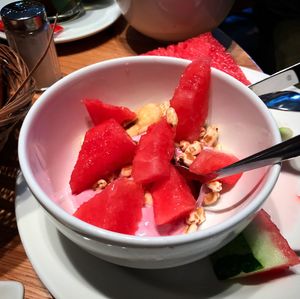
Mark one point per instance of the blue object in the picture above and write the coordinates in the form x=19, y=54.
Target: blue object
x=282, y=100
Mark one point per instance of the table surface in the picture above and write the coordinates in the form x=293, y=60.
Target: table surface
x=116, y=41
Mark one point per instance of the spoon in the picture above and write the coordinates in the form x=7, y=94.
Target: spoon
x=269, y=89
x=282, y=100
x=272, y=155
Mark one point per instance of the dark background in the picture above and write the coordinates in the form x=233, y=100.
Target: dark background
x=269, y=30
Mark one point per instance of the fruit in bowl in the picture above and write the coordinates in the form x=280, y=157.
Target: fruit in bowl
x=58, y=128
x=139, y=160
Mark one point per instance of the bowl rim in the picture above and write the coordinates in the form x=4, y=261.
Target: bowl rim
x=95, y=233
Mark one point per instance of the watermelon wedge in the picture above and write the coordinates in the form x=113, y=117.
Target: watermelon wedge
x=190, y=99
x=260, y=248
x=154, y=153
x=106, y=148
x=204, y=45
x=172, y=198
x=100, y=111
x=117, y=208
x=209, y=160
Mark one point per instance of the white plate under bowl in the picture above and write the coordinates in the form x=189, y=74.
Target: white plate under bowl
x=69, y=272
x=11, y=290
x=97, y=17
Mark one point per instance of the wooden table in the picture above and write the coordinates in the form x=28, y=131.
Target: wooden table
x=116, y=41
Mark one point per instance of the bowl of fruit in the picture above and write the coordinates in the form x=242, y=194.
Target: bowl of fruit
x=102, y=150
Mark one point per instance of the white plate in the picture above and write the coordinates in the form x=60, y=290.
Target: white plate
x=69, y=272
x=11, y=290
x=96, y=18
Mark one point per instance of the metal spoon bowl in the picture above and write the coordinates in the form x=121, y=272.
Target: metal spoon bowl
x=282, y=100
x=272, y=155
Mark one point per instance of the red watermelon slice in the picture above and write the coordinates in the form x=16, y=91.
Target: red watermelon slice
x=204, y=45
x=154, y=153
x=172, y=198
x=190, y=99
x=209, y=160
x=117, y=208
x=259, y=249
x=105, y=149
x=100, y=111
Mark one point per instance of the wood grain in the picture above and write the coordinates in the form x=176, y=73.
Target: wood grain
x=117, y=41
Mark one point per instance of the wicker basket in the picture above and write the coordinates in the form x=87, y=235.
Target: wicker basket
x=9, y=170
x=15, y=96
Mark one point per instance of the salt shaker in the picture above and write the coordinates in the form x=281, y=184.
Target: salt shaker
x=28, y=32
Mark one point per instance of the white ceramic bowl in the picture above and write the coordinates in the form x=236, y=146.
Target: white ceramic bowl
x=52, y=131
x=174, y=20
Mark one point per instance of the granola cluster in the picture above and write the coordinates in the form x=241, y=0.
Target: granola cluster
x=148, y=115
x=209, y=137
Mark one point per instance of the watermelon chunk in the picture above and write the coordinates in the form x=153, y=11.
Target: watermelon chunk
x=117, y=208
x=209, y=160
x=172, y=198
x=260, y=248
x=105, y=149
x=100, y=111
x=154, y=153
x=204, y=45
x=190, y=100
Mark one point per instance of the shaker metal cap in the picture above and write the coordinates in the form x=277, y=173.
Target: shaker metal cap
x=25, y=16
